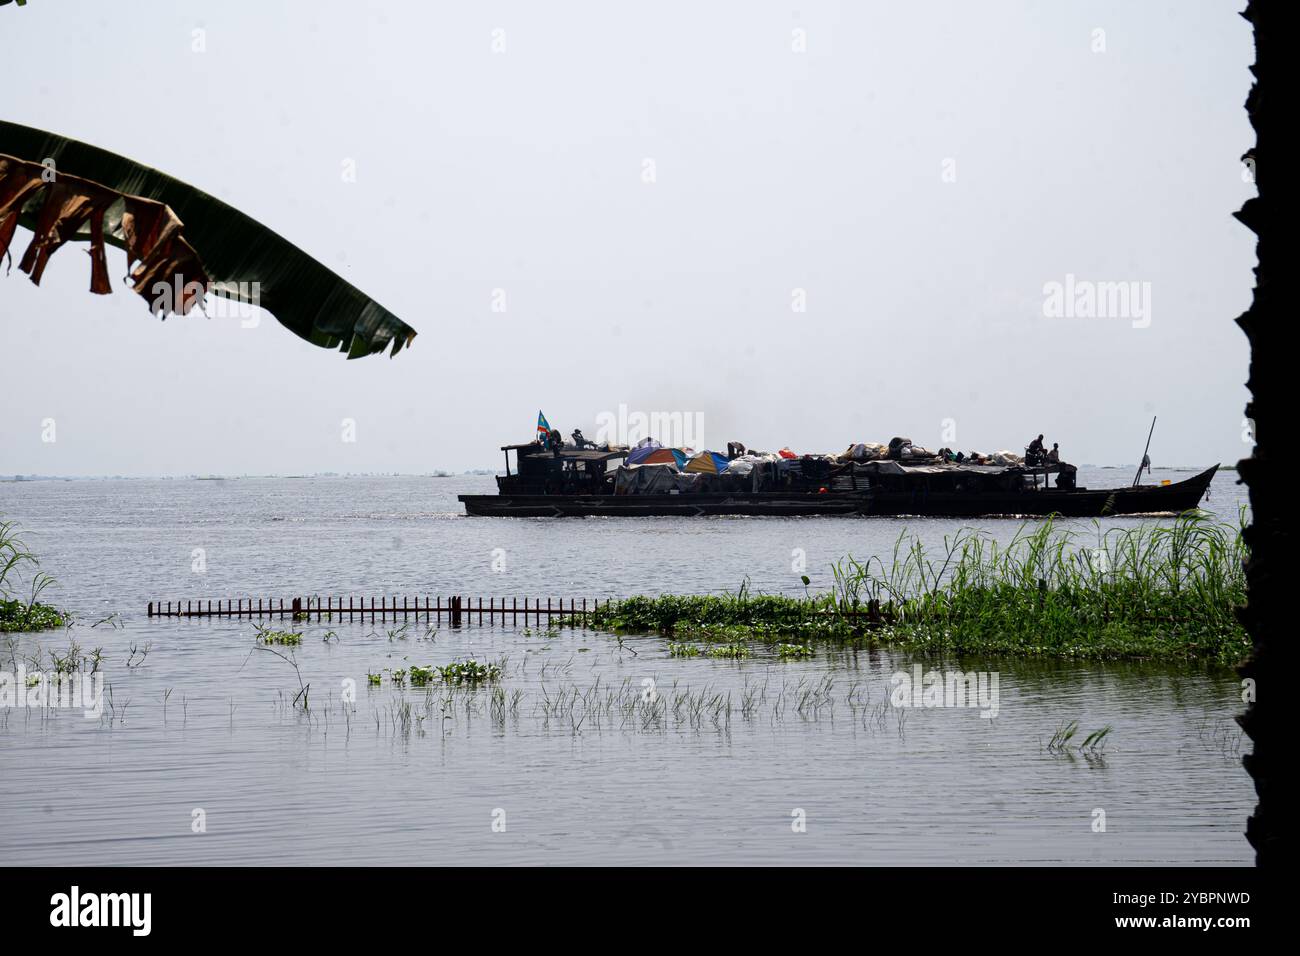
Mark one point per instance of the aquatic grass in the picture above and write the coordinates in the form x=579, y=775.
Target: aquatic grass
x=267, y=635
x=1150, y=591
x=1093, y=744
x=30, y=613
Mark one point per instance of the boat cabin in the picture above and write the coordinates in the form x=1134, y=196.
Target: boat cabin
x=560, y=471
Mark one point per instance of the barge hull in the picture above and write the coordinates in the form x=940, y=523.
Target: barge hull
x=1075, y=503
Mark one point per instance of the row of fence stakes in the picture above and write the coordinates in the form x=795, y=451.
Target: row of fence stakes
x=455, y=610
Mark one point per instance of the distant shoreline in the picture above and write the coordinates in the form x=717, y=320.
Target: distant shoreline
x=477, y=472
x=23, y=479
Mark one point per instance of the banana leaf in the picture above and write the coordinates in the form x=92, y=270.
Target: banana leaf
x=87, y=193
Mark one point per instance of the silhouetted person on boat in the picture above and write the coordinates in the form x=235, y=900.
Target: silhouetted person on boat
x=1054, y=456
x=1034, y=453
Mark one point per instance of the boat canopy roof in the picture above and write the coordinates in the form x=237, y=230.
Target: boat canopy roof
x=887, y=467
x=534, y=450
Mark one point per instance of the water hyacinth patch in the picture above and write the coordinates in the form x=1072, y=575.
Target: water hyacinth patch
x=20, y=616
x=791, y=651
x=420, y=676
x=266, y=635
x=734, y=651
x=469, y=671
x=28, y=614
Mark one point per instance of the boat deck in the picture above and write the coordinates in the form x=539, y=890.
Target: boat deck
x=1077, y=502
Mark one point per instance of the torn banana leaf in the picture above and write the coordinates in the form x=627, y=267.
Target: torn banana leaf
x=180, y=242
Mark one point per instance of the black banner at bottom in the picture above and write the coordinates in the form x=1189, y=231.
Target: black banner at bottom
x=373, y=905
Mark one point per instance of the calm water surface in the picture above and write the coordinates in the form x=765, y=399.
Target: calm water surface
x=573, y=762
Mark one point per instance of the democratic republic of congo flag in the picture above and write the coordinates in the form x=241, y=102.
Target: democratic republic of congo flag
x=543, y=428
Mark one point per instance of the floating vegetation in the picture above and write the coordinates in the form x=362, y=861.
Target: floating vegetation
x=266, y=635
x=469, y=671
x=1150, y=591
x=20, y=616
x=29, y=613
x=733, y=651
x=730, y=651
x=792, y=651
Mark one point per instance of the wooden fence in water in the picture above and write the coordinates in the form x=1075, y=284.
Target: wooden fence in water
x=455, y=610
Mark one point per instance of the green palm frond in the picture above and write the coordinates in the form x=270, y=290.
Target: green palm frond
x=236, y=252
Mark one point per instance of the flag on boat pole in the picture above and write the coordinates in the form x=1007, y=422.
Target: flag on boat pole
x=543, y=428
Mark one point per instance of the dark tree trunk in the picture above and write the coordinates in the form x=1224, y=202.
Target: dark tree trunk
x=1270, y=537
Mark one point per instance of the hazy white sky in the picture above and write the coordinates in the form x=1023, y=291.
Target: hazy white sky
x=921, y=172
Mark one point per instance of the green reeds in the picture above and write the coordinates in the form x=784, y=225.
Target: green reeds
x=266, y=635
x=1062, y=740
x=1146, y=591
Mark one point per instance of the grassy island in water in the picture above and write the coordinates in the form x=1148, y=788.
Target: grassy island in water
x=1165, y=592
x=18, y=613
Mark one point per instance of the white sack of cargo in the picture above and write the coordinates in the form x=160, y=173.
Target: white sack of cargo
x=739, y=466
x=1005, y=457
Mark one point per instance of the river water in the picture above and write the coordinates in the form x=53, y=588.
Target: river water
x=595, y=750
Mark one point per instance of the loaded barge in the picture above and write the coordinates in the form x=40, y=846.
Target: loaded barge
x=569, y=481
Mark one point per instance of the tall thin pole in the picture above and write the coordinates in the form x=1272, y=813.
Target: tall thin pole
x=1144, y=451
